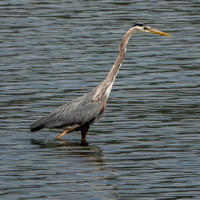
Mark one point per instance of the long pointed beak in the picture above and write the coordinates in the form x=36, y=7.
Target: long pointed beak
x=151, y=30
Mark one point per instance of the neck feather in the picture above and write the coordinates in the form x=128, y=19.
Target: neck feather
x=115, y=68
x=106, y=86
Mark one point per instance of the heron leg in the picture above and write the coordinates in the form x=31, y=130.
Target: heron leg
x=83, y=135
x=65, y=132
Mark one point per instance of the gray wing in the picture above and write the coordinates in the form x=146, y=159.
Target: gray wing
x=74, y=114
x=77, y=112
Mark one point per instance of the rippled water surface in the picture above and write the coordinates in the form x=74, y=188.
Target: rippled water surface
x=146, y=146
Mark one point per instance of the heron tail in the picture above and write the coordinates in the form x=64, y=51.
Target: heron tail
x=38, y=124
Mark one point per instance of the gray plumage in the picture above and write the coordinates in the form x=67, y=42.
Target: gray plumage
x=77, y=113
x=80, y=113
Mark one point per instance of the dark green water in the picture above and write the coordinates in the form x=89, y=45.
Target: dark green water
x=147, y=145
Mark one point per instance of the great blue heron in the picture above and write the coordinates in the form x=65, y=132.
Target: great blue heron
x=82, y=112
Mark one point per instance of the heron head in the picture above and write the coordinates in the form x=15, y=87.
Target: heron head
x=144, y=28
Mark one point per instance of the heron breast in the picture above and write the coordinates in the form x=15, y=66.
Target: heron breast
x=108, y=90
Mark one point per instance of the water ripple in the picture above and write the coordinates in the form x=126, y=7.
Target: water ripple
x=147, y=144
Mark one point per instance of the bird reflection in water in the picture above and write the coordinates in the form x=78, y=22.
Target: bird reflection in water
x=93, y=151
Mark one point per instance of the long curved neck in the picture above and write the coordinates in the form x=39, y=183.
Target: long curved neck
x=115, y=68
x=105, y=87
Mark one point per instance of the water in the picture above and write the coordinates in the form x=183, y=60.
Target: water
x=147, y=145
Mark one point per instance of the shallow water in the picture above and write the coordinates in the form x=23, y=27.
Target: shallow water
x=147, y=144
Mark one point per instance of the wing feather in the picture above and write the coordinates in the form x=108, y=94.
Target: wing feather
x=80, y=111
x=74, y=113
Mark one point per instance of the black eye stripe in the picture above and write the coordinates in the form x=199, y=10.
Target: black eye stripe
x=138, y=24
